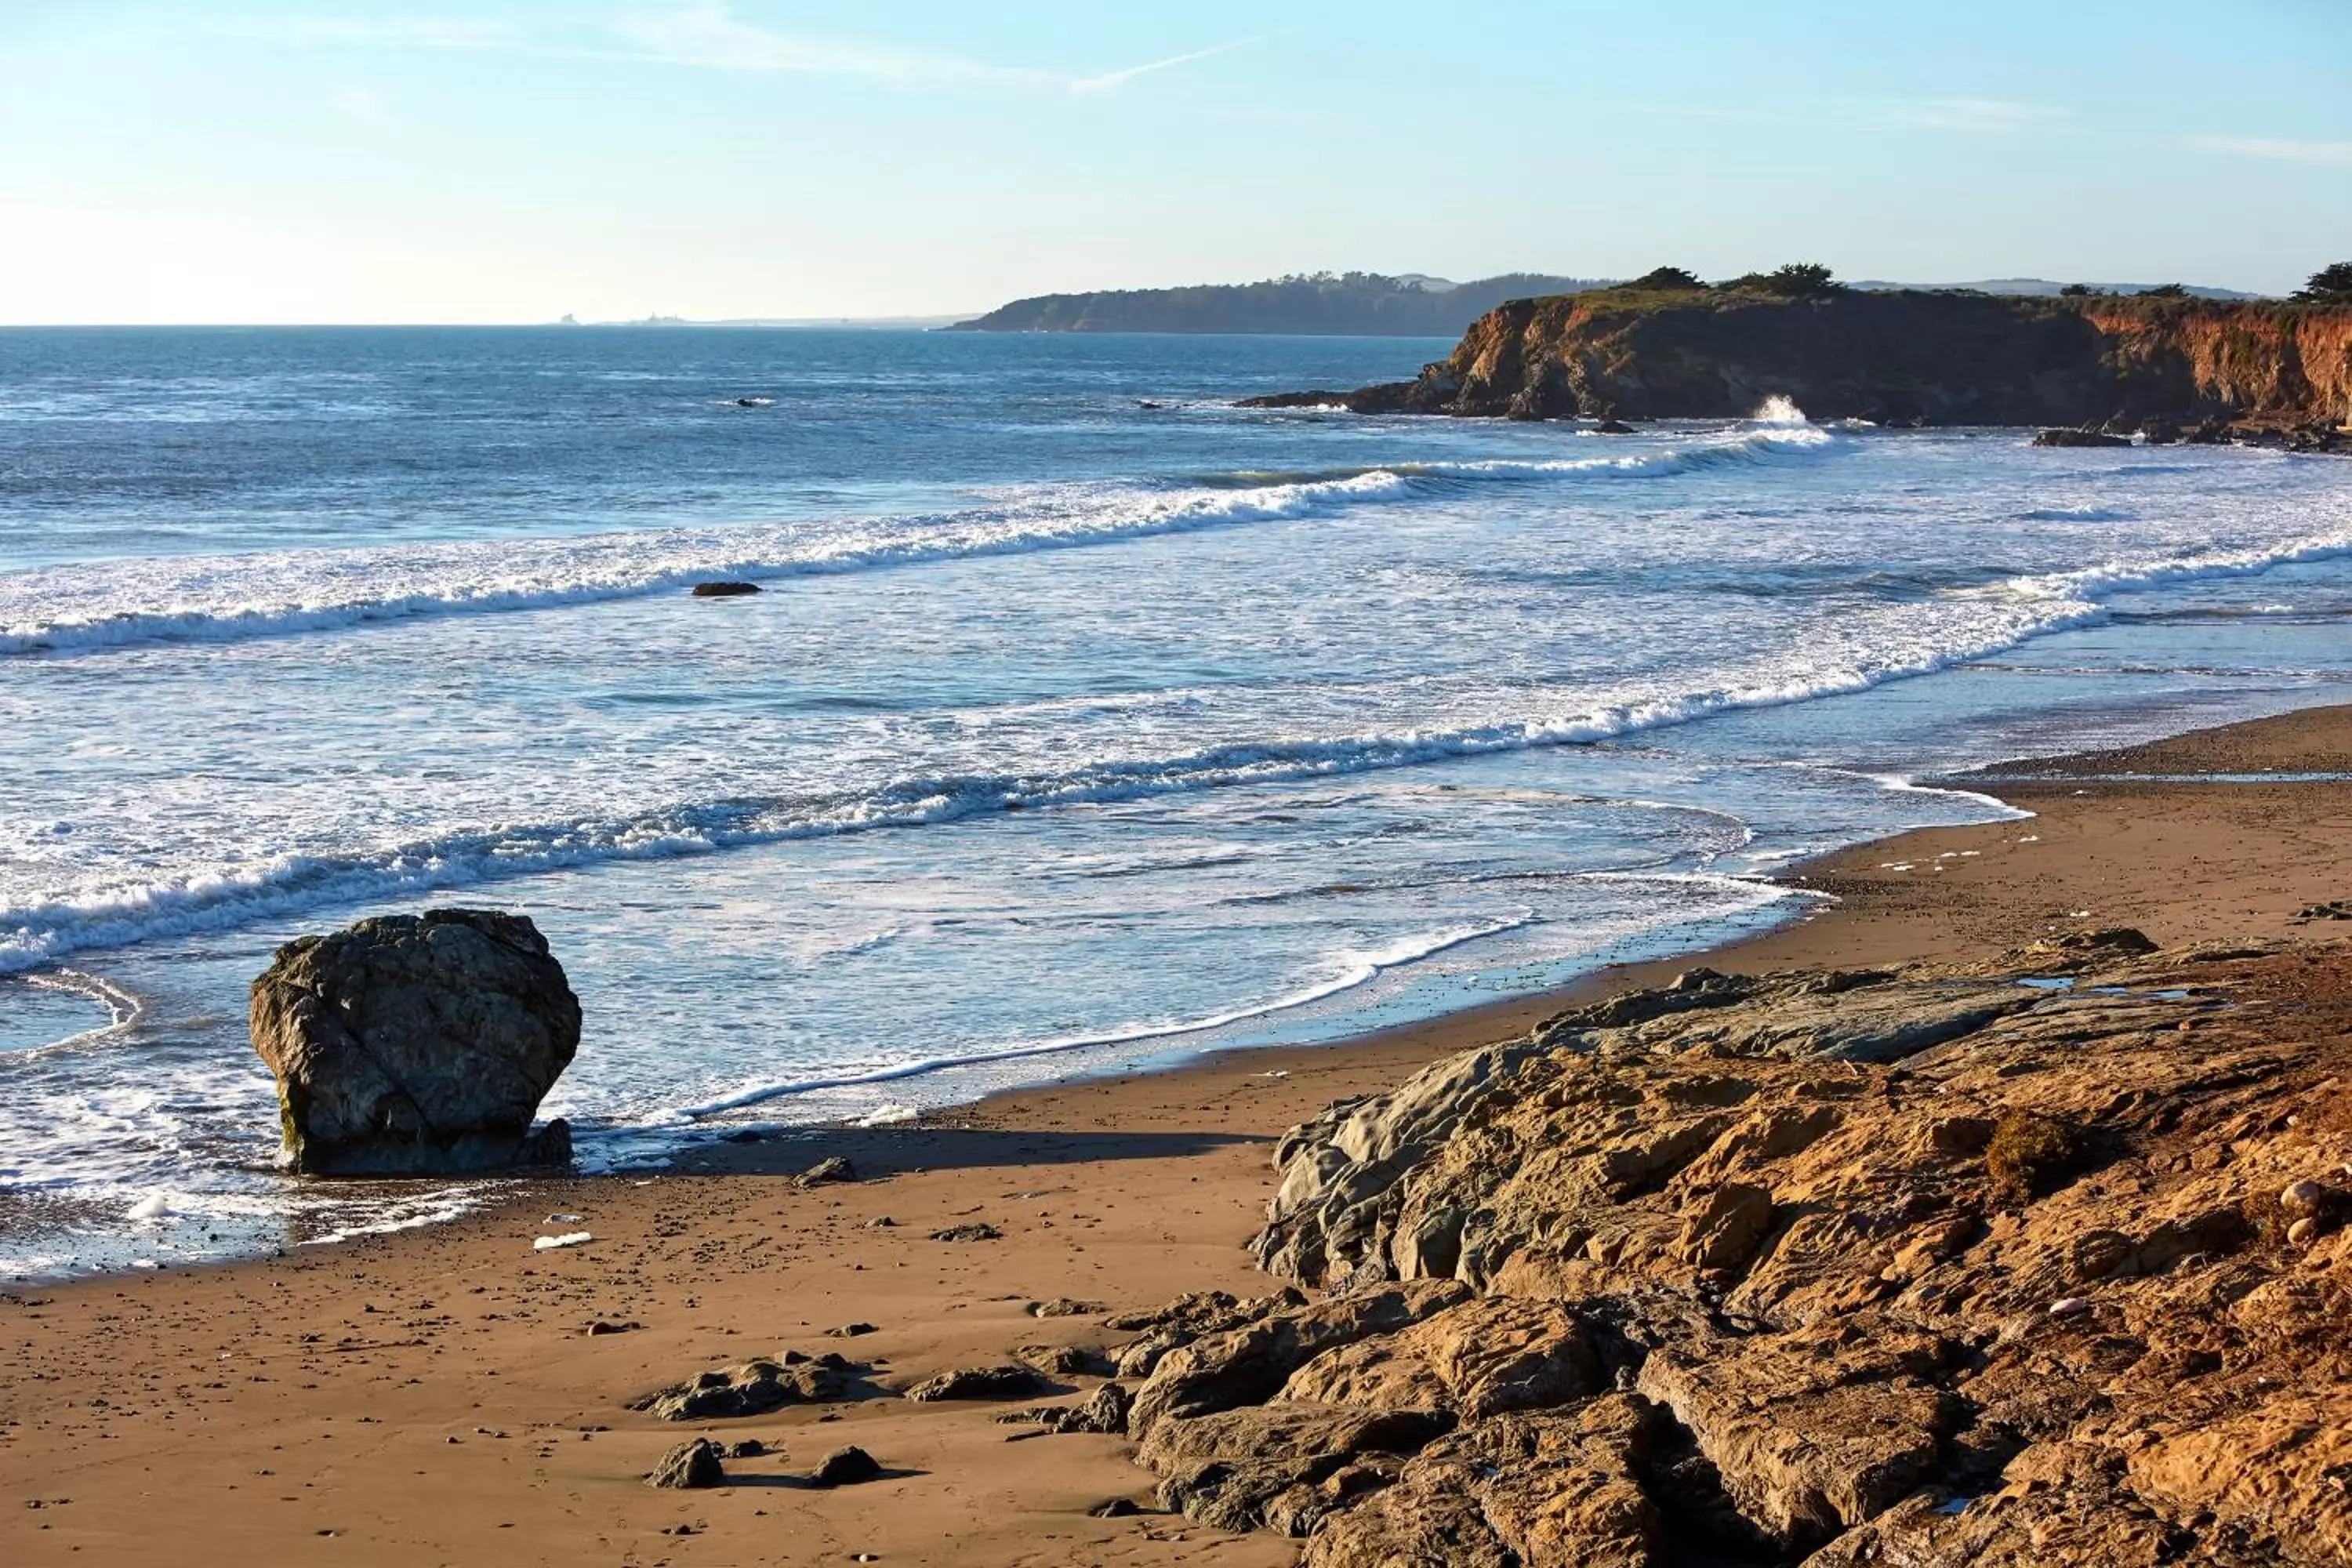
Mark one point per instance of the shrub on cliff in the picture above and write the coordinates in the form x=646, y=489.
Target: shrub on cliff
x=1798, y=280
x=1666, y=277
x=2329, y=285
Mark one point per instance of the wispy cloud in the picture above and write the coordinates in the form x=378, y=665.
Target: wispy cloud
x=710, y=35
x=1110, y=79
x=2331, y=155
x=1977, y=116
x=704, y=35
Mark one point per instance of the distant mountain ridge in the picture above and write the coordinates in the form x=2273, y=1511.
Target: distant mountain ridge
x=1344, y=304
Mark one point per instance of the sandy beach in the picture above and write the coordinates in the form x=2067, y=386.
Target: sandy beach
x=442, y=1396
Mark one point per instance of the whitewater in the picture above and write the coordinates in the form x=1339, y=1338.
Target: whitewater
x=1084, y=721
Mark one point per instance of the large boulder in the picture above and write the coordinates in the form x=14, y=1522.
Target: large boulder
x=416, y=1044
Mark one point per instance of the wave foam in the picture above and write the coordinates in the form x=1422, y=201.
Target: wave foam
x=78, y=609
x=1357, y=969
x=232, y=598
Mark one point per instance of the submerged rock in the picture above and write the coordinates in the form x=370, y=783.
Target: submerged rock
x=416, y=1044
x=724, y=590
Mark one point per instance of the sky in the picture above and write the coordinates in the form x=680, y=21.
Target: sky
x=332, y=160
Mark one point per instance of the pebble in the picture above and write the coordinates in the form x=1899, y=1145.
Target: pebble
x=2303, y=1232
x=2303, y=1197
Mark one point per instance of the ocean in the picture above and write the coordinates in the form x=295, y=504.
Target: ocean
x=1085, y=722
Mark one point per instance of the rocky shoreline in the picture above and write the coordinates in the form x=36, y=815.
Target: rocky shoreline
x=2027, y=1262
x=1944, y=1225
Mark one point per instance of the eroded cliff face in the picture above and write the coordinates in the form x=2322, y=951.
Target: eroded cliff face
x=1896, y=358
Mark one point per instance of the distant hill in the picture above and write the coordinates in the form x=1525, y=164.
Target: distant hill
x=1345, y=304
x=2044, y=287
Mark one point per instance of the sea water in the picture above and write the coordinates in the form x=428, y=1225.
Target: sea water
x=1085, y=721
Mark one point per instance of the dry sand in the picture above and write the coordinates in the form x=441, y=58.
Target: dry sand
x=434, y=1396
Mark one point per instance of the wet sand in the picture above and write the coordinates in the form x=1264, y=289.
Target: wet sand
x=436, y=1397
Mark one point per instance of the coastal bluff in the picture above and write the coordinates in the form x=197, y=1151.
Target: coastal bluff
x=1895, y=357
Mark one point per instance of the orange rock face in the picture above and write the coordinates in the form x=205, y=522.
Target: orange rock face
x=1924, y=1267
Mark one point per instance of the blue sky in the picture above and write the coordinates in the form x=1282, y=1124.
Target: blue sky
x=486, y=161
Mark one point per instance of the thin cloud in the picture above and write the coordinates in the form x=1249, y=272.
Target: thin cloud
x=710, y=35
x=1112, y=80
x=1977, y=116
x=2328, y=154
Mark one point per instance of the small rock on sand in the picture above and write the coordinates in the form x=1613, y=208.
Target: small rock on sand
x=979, y=1230
x=1064, y=1307
x=976, y=1382
x=845, y=1467
x=690, y=1465
x=834, y=1168
x=849, y=1330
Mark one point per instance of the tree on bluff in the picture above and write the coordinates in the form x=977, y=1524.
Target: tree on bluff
x=1798, y=280
x=1665, y=278
x=2332, y=285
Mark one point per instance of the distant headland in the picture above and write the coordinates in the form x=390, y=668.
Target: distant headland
x=1667, y=345
x=1333, y=304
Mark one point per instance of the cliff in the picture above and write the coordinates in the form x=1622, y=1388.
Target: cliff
x=1906, y=357
x=1353, y=304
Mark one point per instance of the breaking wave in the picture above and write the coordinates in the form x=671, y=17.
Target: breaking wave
x=75, y=609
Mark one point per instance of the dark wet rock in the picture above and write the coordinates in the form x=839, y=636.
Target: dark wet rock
x=845, y=1467
x=1612, y=428
x=2080, y=438
x=416, y=1044
x=690, y=1465
x=978, y=1383
x=724, y=590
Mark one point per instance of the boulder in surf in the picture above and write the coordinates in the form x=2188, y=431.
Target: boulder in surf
x=416, y=1044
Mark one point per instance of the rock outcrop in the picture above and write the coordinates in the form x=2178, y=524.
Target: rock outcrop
x=1896, y=357
x=416, y=1044
x=755, y=1388
x=1926, y=1266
